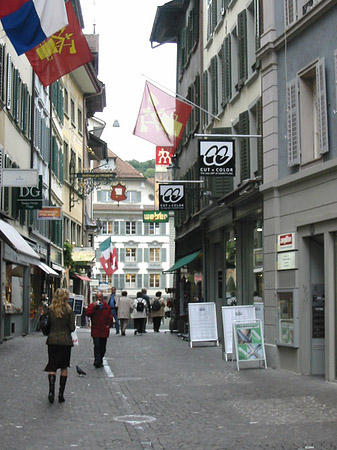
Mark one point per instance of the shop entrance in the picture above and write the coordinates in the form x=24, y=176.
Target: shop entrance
x=317, y=305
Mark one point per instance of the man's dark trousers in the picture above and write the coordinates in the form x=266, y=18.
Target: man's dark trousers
x=99, y=350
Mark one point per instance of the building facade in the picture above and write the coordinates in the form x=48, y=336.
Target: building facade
x=143, y=246
x=298, y=67
x=221, y=226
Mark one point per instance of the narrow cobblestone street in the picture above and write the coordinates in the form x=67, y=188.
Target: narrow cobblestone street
x=155, y=392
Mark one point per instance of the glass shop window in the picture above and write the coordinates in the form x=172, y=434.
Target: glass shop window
x=14, y=289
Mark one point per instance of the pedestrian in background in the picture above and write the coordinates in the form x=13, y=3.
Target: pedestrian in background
x=139, y=313
x=59, y=342
x=113, y=306
x=147, y=298
x=101, y=320
x=157, y=311
x=124, y=310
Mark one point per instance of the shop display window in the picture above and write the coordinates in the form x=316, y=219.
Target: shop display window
x=287, y=318
x=14, y=288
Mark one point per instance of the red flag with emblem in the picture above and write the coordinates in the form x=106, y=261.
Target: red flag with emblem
x=62, y=53
x=161, y=118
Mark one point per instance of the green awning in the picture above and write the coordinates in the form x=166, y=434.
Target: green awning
x=183, y=262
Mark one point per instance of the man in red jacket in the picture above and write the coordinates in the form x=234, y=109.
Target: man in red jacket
x=101, y=320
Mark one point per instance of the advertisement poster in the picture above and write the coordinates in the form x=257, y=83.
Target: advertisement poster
x=249, y=344
x=202, y=322
x=229, y=315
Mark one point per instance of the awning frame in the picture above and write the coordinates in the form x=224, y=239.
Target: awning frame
x=185, y=260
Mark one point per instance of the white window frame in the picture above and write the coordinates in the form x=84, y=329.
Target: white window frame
x=154, y=280
x=154, y=228
x=131, y=280
x=154, y=254
x=131, y=224
x=130, y=254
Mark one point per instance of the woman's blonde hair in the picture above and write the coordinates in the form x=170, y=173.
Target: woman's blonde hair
x=60, y=304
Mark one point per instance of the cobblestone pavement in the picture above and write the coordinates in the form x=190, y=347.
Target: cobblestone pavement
x=155, y=392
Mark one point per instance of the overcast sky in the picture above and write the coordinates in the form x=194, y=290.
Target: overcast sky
x=124, y=28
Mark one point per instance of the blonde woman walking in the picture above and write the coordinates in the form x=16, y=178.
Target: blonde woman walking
x=59, y=342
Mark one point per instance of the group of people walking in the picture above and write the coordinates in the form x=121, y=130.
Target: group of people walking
x=102, y=315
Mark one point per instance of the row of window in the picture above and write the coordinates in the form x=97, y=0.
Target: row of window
x=135, y=281
x=131, y=227
x=137, y=255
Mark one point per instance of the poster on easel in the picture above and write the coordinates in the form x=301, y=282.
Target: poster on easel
x=202, y=323
x=248, y=342
x=229, y=315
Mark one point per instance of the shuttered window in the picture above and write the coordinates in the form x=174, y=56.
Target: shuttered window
x=322, y=107
x=214, y=84
x=2, y=72
x=244, y=147
x=205, y=96
x=226, y=70
x=290, y=12
x=242, y=46
x=293, y=142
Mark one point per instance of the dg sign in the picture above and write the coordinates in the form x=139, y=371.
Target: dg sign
x=171, y=197
x=216, y=158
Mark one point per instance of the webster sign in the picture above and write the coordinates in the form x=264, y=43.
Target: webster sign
x=216, y=158
x=155, y=216
x=286, y=242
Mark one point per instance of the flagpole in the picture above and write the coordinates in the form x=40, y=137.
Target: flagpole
x=183, y=98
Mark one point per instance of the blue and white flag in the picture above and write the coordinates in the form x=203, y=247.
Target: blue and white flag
x=27, y=23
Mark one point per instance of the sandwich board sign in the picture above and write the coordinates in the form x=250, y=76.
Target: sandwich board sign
x=248, y=342
x=229, y=315
x=202, y=323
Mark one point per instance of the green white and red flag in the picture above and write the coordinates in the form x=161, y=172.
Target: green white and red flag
x=108, y=257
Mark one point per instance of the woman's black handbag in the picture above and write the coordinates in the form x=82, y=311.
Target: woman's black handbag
x=45, y=324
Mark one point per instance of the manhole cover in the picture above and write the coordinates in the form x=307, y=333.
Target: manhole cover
x=134, y=419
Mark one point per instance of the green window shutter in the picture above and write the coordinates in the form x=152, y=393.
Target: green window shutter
x=183, y=50
x=242, y=46
x=244, y=147
x=139, y=255
x=214, y=14
x=163, y=255
x=139, y=280
x=9, y=82
x=162, y=228
x=61, y=166
x=293, y=140
x=122, y=255
x=162, y=281
x=226, y=71
x=205, y=96
x=2, y=72
x=259, y=140
x=146, y=255
x=322, y=107
x=115, y=278
x=196, y=111
x=146, y=228
x=15, y=194
x=139, y=228
x=122, y=228
x=214, y=84
x=196, y=22
x=121, y=281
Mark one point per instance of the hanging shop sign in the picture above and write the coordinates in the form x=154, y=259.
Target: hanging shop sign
x=118, y=192
x=216, y=158
x=155, y=216
x=171, y=197
x=163, y=156
x=30, y=197
x=50, y=213
x=19, y=177
x=83, y=254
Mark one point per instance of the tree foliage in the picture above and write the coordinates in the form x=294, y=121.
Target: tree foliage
x=143, y=166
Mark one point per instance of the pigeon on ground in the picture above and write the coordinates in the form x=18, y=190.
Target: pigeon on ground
x=80, y=371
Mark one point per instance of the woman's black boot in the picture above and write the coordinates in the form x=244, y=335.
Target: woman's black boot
x=52, y=379
x=63, y=381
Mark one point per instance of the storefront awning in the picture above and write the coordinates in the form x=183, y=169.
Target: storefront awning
x=82, y=277
x=48, y=270
x=17, y=242
x=183, y=262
